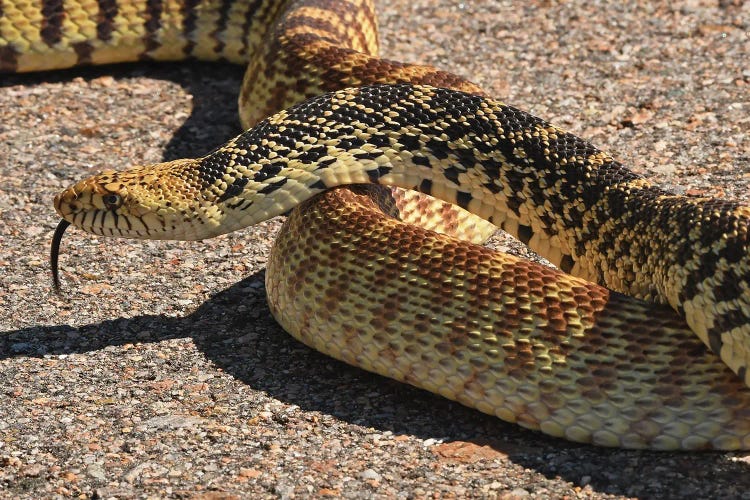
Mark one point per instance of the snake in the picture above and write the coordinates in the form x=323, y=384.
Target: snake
x=392, y=175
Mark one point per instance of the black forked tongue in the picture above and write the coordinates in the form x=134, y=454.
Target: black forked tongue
x=55, y=252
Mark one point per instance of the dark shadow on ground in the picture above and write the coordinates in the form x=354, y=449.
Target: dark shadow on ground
x=214, y=87
x=273, y=362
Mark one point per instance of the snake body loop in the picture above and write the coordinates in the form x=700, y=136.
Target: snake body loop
x=354, y=276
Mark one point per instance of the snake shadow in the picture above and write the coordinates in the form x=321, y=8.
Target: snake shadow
x=247, y=344
x=214, y=88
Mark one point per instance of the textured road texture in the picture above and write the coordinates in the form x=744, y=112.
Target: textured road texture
x=160, y=371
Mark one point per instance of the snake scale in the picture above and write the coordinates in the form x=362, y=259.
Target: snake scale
x=393, y=281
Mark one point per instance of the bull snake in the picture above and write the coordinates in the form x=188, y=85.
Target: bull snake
x=523, y=342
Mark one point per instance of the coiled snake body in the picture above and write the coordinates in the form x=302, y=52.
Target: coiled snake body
x=353, y=276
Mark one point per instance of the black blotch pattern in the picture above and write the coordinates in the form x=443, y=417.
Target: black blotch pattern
x=730, y=288
x=189, y=13
x=379, y=140
x=270, y=188
x=375, y=174
x=410, y=142
x=463, y=199
x=437, y=148
x=153, y=23
x=368, y=156
x=234, y=189
x=451, y=173
x=567, y=263
x=266, y=172
x=525, y=233
x=221, y=25
x=349, y=143
x=421, y=160
x=313, y=154
x=105, y=20
x=53, y=14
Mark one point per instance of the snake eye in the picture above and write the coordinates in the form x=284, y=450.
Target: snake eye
x=112, y=201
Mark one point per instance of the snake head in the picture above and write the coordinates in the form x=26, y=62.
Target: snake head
x=162, y=201
x=97, y=204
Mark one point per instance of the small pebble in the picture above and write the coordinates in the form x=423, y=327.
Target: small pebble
x=370, y=474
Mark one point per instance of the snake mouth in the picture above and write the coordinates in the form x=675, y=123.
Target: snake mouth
x=55, y=253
